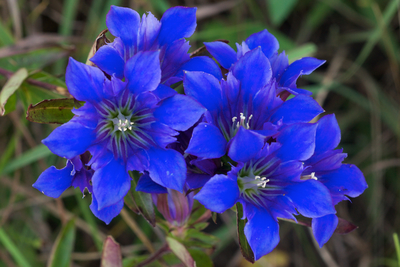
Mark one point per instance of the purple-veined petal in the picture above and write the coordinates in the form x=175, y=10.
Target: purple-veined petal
x=143, y=72
x=172, y=58
x=84, y=82
x=245, y=145
x=303, y=66
x=298, y=141
x=108, y=213
x=268, y=43
x=148, y=32
x=179, y=112
x=261, y=231
x=279, y=63
x=323, y=228
x=311, y=198
x=253, y=70
x=203, y=87
x=139, y=161
x=207, y=142
x=110, y=184
x=177, y=23
x=53, y=182
x=220, y=193
x=87, y=115
x=145, y=184
x=328, y=134
x=70, y=139
x=124, y=23
x=167, y=168
x=201, y=63
x=347, y=180
x=109, y=60
x=301, y=108
x=223, y=53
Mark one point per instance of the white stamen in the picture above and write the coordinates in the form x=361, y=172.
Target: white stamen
x=234, y=119
x=263, y=179
x=313, y=176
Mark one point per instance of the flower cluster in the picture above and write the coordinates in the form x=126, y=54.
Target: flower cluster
x=242, y=137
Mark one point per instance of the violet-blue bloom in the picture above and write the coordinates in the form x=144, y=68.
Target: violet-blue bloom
x=244, y=106
x=268, y=186
x=134, y=34
x=326, y=166
x=125, y=127
x=285, y=74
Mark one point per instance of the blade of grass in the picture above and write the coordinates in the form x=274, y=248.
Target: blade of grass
x=6, y=36
x=26, y=158
x=13, y=250
x=397, y=246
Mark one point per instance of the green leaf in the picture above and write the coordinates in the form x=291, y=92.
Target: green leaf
x=244, y=245
x=279, y=10
x=202, y=237
x=11, y=104
x=11, y=86
x=181, y=252
x=111, y=256
x=140, y=202
x=54, y=111
x=201, y=258
x=397, y=246
x=13, y=249
x=6, y=36
x=26, y=158
x=60, y=255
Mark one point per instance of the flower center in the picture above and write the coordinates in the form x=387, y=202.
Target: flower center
x=243, y=121
x=122, y=123
x=310, y=176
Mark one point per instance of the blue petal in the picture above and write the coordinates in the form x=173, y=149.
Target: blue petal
x=148, y=32
x=167, y=168
x=301, y=108
x=261, y=231
x=179, y=112
x=223, y=53
x=347, y=180
x=324, y=227
x=197, y=180
x=205, y=88
x=82, y=180
x=53, y=182
x=145, y=184
x=70, y=139
x=253, y=71
x=138, y=161
x=84, y=82
x=177, y=23
x=219, y=194
x=279, y=63
x=298, y=141
x=110, y=184
x=311, y=198
x=143, y=72
x=201, y=63
x=328, y=134
x=245, y=145
x=172, y=58
x=124, y=23
x=108, y=213
x=207, y=142
x=101, y=156
x=109, y=60
x=303, y=66
x=164, y=91
x=268, y=43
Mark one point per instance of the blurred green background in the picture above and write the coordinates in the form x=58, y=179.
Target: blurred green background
x=360, y=83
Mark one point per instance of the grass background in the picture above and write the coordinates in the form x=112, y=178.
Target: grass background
x=360, y=83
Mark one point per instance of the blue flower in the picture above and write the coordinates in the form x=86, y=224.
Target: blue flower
x=244, y=106
x=269, y=186
x=125, y=127
x=285, y=75
x=326, y=166
x=148, y=34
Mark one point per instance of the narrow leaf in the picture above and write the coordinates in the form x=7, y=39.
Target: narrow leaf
x=111, y=256
x=13, y=249
x=54, y=111
x=60, y=255
x=244, y=245
x=11, y=86
x=181, y=252
x=140, y=202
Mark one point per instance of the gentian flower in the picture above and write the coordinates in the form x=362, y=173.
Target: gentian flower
x=326, y=166
x=285, y=75
x=148, y=34
x=244, y=106
x=269, y=186
x=125, y=127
